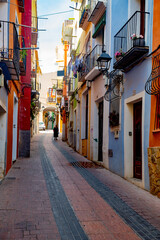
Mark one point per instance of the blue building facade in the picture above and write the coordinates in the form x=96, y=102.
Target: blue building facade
x=129, y=136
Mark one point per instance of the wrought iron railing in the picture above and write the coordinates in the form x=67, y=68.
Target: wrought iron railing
x=157, y=115
x=59, y=84
x=9, y=44
x=91, y=58
x=152, y=85
x=83, y=9
x=136, y=25
x=90, y=61
x=70, y=85
x=34, y=24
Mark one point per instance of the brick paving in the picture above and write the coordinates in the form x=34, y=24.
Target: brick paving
x=25, y=209
x=42, y=197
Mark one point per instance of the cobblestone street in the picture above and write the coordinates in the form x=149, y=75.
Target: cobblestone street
x=58, y=194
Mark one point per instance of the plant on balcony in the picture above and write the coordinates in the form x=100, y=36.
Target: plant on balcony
x=113, y=119
x=138, y=40
x=119, y=54
x=23, y=54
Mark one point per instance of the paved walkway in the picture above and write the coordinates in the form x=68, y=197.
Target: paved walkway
x=58, y=194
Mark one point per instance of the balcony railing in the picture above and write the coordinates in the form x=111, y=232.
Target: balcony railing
x=59, y=84
x=70, y=87
x=34, y=33
x=152, y=85
x=90, y=61
x=82, y=69
x=83, y=16
x=59, y=88
x=9, y=49
x=124, y=40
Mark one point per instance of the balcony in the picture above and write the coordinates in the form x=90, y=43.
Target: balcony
x=33, y=73
x=59, y=88
x=88, y=69
x=130, y=50
x=97, y=9
x=70, y=87
x=21, y=5
x=91, y=62
x=83, y=20
x=9, y=50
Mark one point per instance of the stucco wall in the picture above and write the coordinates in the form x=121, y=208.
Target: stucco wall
x=116, y=163
x=97, y=95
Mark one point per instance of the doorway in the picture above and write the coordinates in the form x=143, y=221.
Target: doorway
x=15, y=120
x=137, y=140
x=100, y=132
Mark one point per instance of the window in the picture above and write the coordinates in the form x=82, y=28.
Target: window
x=86, y=125
x=114, y=113
x=157, y=115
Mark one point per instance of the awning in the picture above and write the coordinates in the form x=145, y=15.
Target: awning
x=99, y=26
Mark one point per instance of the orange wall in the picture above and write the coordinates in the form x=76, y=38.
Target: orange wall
x=13, y=10
x=155, y=137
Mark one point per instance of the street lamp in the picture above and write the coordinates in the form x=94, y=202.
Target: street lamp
x=104, y=62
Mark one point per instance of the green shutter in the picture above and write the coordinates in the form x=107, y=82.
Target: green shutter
x=99, y=26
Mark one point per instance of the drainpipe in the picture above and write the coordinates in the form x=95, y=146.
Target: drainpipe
x=64, y=124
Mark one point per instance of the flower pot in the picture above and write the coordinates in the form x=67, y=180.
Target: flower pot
x=118, y=58
x=138, y=42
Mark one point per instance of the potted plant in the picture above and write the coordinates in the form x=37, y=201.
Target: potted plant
x=138, y=40
x=23, y=54
x=119, y=54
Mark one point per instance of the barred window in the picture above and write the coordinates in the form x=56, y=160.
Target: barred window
x=157, y=115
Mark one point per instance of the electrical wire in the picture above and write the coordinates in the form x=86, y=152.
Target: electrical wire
x=55, y=13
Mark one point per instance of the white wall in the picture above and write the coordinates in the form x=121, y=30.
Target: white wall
x=97, y=95
x=4, y=16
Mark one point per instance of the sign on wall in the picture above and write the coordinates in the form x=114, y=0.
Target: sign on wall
x=51, y=95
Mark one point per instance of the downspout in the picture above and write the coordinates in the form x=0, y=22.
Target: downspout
x=5, y=157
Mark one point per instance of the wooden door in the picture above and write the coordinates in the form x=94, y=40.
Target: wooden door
x=100, y=138
x=137, y=139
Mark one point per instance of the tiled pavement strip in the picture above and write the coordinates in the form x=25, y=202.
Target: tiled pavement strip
x=25, y=207
x=67, y=223
x=142, y=227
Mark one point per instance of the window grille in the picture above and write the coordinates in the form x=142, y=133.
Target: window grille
x=157, y=114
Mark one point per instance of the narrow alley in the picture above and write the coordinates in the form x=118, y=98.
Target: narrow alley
x=58, y=194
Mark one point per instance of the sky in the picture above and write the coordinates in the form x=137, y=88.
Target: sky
x=49, y=39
